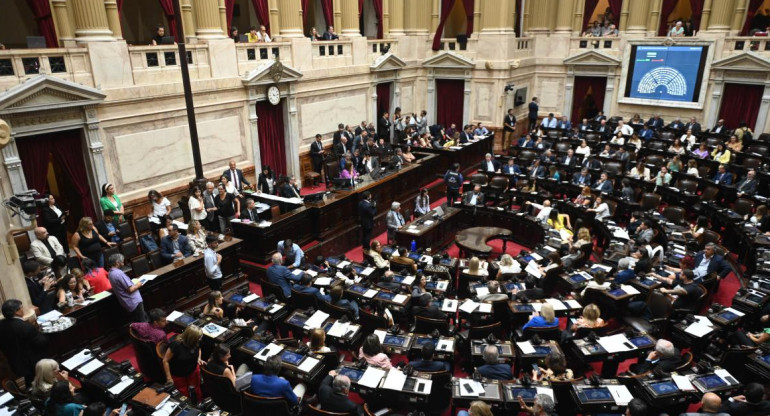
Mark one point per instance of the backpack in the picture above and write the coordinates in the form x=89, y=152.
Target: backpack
x=147, y=243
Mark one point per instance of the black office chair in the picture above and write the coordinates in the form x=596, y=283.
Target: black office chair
x=270, y=288
x=147, y=358
x=222, y=391
x=155, y=259
x=424, y=325
x=129, y=249
x=369, y=321
x=140, y=265
x=124, y=230
x=335, y=311
x=549, y=333
x=303, y=300
x=142, y=226
x=251, y=404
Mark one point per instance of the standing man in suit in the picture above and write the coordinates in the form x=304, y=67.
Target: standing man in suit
x=342, y=147
x=367, y=208
x=394, y=220
x=250, y=212
x=533, y=109
x=317, y=154
x=383, y=126
x=333, y=395
x=21, y=342
x=489, y=164
x=236, y=177
x=211, y=221
x=509, y=125
x=338, y=134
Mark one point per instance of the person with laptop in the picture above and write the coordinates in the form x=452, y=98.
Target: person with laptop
x=160, y=34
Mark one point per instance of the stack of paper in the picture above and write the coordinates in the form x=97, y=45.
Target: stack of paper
x=533, y=269
x=380, y=334
x=616, y=343
x=408, y=280
x=485, y=307
x=269, y=351
x=174, y=315
x=370, y=293
x=526, y=347
x=621, y=394
x=449, y=305
x=125, y=382
x=275, y=308
x=50, y=316
x=482, y=291
x=468, y=306
x=573, y=304
x=700, y=327
x=323, y=281
x=395, y=380
x=372, y=377
x=308, y=364
x=470, y=388
x=316, y=320
x=251, y=298
x=297, y=272
x=557, y=304
x=399, y=298
x=367, y=271
x=90, y=367
x=629, y=289
x=78, y=359
x=683, y=383
x=339, y=329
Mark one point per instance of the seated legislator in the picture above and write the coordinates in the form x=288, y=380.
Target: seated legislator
x=37, y=285
x=723, y=177
x=665, y=357
x=426, y=362
x=269, y=384
x=375, y=251
x=61, y=401
x=333, y=395
x=371, y=351
x=46, y=247
x=69, y=285
x=281, y=275
x=555, y=369
x=475, y=197
x=386, y=282
x=546, y=318
x=511, y=168
x=750, y=403
x=402, y=261
x=151, y=331
x=494, y=294
x=425, y=308
x=305, y=286
x=492, y=368
x=219, y=364
x=317, y=341
x=336, y=293
x=489, y=164
x=174, y=246
x=47, y=373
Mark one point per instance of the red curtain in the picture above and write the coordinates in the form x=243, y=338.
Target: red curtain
x=168, y=9
x=468, y=5
x=263, y=13
x=615, y=7
x=588, y=13
x=449, y=102
x=665, y=11
x=378, y=9
x=305, y=4
x=582, y=104
x=120, y=5
x=383, y=98
x=697, y=11
x=42, y=11
x=754, y=6
x=740, y=102
x=229, y=7
x=66, y=148
x=446, y=8
x=517, y=24
x=272, y=149
x=328, y=10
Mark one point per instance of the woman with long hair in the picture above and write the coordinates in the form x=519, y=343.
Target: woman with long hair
x=475, y=269
x=87, y=242
x=422, y=203
x=69, y=284
x=47, y=373
x=62, y=401
x=196, y=205
x=213, y=307
x=371, y=350
x=196, y=236
x=266, y=181
x=161, y=209
x=317, y=341
x=182, y=361
x=111, y=201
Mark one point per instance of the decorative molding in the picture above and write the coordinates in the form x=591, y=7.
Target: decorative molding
x=746, y=61
x=387, y=62
x=45, y=92
x=448, y=59
x=592, y=58
x=264, y=74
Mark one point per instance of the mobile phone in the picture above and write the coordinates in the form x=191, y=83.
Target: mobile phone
x=468, y=388
x=536, y=368
x=123, y=409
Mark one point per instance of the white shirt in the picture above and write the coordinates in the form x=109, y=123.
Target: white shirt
x=514, y=268
x=689, y=140
x=542, y=216
x=549, y=123
x=194, y=204
x=693, y=171
x=490, y=166
x=638, y=175
x=602, y=211
x=56, y=210
x=266, y=37
x=159, y=209
x=618, y=140
x=234, y=178
x=583, y=150
x=626, y=130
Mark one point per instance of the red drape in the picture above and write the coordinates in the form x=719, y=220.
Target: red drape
x=168, y=10
x=272, y=150
x=697, y=11
x=378, y=9
x=740, y=102
x=67, y=150
x=263, y=13
x=305, y=4
x=42, y=11
x=665, y=11
x=517, y=24
x=229, y=7
x=120, y=5
x=468, y=5
x=583, y=106
x=446, y=8
x=589, y=12
x=754, y=6
x=615, y=7
x=449, y=102
x=383, y=98
x=328, y=10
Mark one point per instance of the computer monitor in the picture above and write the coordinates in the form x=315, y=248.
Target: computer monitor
x=333, y=261
x=297, y=320
x=254, y=346
x=664, y=387
x=167, y=40
x=387, y=250
x=728, y=315
x=394, y=340
x=105, y=378
x=352, y=373
x=524, y=308
x=755, y=298
x=423, y=341
x=595, y=394
x=617, y=292
x=236, y=298
x=386, y=295
x=185, y=319
x=710, y=381
x=765, y=359
x=291, y=357
x=577, y=278
x=439, y=211
x=36, y=42
x=358, y=289
x=526, y=393
x=260, y=304
x=414, y=256
x=540, y=350
x=318, y=196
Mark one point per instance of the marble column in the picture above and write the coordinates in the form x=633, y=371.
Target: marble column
x=187, y=20
x=495, y=16
x=91, y=24
x=254, y=133
x=275, y=18
x=386, y=18
x=477, y=17
x=638, y=12
x=95, y=150
x=290, y=13
x=223, y=18
x=113, y=18
x=540, y=16
x=564, y=14
x=739, y=16
x=337, y=15
x=623, y=22
x=527, y=16
x=654, y=18
x=62, y=21
x=207, y=22
x=577, y=21
x=396, y=14
x=423, y=11
x=610, y=93
x=410, y=16
x=434, y=16
x=349, y=18
x=721, y=15
x=704, y=19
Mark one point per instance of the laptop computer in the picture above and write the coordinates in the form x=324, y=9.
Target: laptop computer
x=36, y=42
x=167, y=40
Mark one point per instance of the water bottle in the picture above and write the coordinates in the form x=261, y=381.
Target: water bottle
x=70, y=299
x=413, y=246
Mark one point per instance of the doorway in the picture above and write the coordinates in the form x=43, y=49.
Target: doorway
x=270, y=128
x=587, y=97
x=449, y=102
x=740, y=103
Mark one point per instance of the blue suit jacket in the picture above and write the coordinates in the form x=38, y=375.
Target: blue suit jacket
x=167, y=248
x=717, y=264
x=422, y=365
x=624, y=276
x=606, y=187
x=272, y=386
x=496, y=371
x=724, y=178
x=310, y=290
x=507, y=169
x=281, y=275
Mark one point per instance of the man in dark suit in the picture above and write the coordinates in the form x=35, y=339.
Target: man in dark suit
x=360, y=128
x=106, y=227
x=289, y=189
x=693, y=125
x=748, y=404
x=338, y=134
x=582, y=178
x=250, y=211
x=655, y=122
x=646, y=133
x=599, y=117
x=723, y=176
x=603, y=129
x=583, y=127
x=333, y=395
x=707, y=262
x=305, y=286
x=720, y=128
x=603, y=184
x=383, y=126
x=489, y=164
x=676, y=124
x=474, y=198
x=174, y=246
x=280, y=275
x=386, y=282
x=426, y=363
x=342, y=147
x=533, y=109
x=467, y=134
x=511, y=168
x=526, y=142
x=665, y=357
x=536, y=171
x=236, y=177
x=748, y=186
x=330, y=34
x=569, y=160
x=563, y=124
x=21, y=342
x=317, y=153
x=426, y=310
x=366, y=211
x=591, y=163
x=38, y=289
x=492, y=368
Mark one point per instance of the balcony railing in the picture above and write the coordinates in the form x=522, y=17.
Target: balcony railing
x=69, y=63
x=377, y=47
x=158, y=64
x=250, y=55
x=611, y=43
x=747, y=44
x=328, y=49
x=524, y=47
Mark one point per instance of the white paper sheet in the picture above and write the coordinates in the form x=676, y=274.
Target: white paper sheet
x=737, y=312
x=621, y=394
x=251, y=298
x=723, y=374
x=165, y=408
x=698, y=329
x=308, y=364
x=342, y=264
x=615, y=343
x=323, y=281
x=367, y=271
x=533, y=269
x=312, y=273
x=557, y=304
x=174, y=315
x=526, y=347
x=78, y=359
x=449, y=305
x=213, y=330
x=536, y=256
x=372, y=377
x=573, y=304
x=269, y=351
x=408, y=280
x=5, y=398
x=399, y=299
x=537, y=306
x=475, y=387
x=620, y=233
x=50, y=316
x=395, y=379
x=316, y=320
x=180, y=224
x=124, y=383
x=370, y=293
x=629, y=289
x=602, y=267
x=275, y=308
x=338, y=329
x=89, y=368
x=485, y=307
x=544, y=390
x=683, y=383
x=297, y=272
x=442, y=285
x=468, y=306
x=380, y=334
x=482, y=291
x=445, y=345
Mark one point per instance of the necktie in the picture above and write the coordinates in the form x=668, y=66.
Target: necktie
x=251, y=214
x=235, y=178
x=295, y=191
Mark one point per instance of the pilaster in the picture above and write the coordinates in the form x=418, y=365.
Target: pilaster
x=223, y=18
x=290, y=13
x=637, y=14
x=564, y=14
x=704, y=19
x=540, y=16
x=91, y=24
x=495, y=16
x=113, y=18
x=577, y=21
x=187, y=21
x=207, y=22
x=275, y=20
x=721, y=15
x=434, y=16
x=254, y=134
x=349, y=26
x=396, y=14
x=739, y=16
x=64, y=24
x=654, y=18
x=623, y=22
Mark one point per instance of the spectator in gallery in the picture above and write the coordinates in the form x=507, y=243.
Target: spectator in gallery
x=262, y=35
x=314, y=35
x=677, y=31
x=234, y=35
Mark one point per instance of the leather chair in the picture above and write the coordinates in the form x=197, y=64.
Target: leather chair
x=441, y=393
x=752, y=162
x=333, y=169
x=251, y=404
x=713, y=141
x=563, y=147
x=10, y=386
x=551, y=334
x=655, y=160
x=463, y=290
x=270, y=288
x=667, y=135
x=335, y=311
x=129, y=249
x=303, y=300
x=709, y=194
x=482, y=331
x=743, y=206
x=709, y=236
x=562, y=394
x=142, y=226
x=688, y=186
x=124, y=230
x=686, y=362
x=148, y=358
x=674, y=214
x=613, y=168
x=704, y=171
x=369, y=321
x=497, y=186
x=735, y=359
x=650, y=201
x=311, y=410
x=583, y=332
x=109, y=251
x=155, y=259
x=526, y=157
x=479, y=179
x=758, y=149
x=424, y=325
x=222, y=391
x=140, y=265
x=656, y=145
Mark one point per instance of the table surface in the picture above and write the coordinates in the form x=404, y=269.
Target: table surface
x=475, y=239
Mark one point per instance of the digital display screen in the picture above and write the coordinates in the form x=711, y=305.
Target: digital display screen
x=414, y=256
x=395, y=340
x=430, y=285
x=398, y=278
x=528, y=258
x=185, y=319
x=351, y=373
x=754, y=298
x=541, y=350
x=261, y=304
x=358, y=289
x=445, y=262
x=510, y=286
x=425, y=341
x=236, y=298
x=291, y=357
x=386, y=295
x=297, y=320
x=358, y=269
x=525, y=393
x=387, y=251
x=766, y=359
x=647, y=282
x=727, y=315
x=333, y=261
x=598, y=394
x=617, y=292
x=105, y=378
x=641, y=342
x=254, y=345
x=577, y=278
x=711, y=381
x=524, y=308
x=666, y=73
x=664, y=387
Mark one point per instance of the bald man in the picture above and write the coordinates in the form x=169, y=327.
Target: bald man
x=710, y=405
x=235, y=176
x=333, y=395
x=46, y=247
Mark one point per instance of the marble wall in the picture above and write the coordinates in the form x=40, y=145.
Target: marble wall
x=322, y=113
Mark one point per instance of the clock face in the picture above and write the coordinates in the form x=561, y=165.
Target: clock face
x=273, y=95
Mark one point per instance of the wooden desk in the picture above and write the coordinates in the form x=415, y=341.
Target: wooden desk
x=430, y=232
x=105, y=322
x=474, y=240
